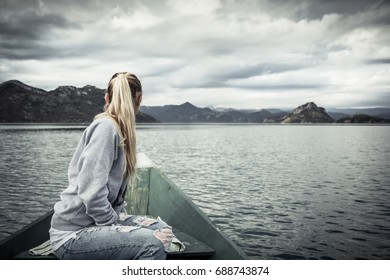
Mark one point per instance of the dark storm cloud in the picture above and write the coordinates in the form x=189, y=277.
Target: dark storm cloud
x=31, y=25
x=316, y=9
x=284, y=87
x=23, y=32
x=260, y=69
x=220, y=79
x=378, y=61
x=22, y=5
x=16, y=51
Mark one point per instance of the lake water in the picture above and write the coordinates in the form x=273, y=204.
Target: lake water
x=278, y=191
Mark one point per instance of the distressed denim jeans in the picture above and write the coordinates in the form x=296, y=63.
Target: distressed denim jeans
x=137, y=237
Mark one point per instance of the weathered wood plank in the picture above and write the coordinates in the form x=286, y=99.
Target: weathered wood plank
x=137, y=196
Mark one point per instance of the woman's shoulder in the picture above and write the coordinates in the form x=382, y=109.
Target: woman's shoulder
x=104, y=120
x=103, y=124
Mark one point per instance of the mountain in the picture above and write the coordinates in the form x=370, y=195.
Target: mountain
x=363, y=118
x=21, y=103
x=182, y=113
x=189, y=113
x=339, y=114
x=336, y=116
x=308, y=113
x=380, y=112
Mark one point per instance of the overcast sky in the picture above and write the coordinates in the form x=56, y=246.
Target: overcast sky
x=222, y=53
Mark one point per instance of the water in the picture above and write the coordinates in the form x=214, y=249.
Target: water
x=278, y=191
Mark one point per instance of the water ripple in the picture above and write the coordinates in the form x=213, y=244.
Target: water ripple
x=279, y=192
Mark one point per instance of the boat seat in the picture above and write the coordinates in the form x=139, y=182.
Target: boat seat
x=195, y=249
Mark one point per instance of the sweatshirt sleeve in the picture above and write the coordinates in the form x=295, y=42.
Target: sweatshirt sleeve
x=94, y=165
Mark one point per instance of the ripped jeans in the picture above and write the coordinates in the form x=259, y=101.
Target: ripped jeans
x=137, y=237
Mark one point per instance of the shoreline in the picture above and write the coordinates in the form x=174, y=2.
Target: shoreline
x=36, y=126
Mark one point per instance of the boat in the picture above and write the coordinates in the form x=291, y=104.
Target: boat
x=153, y=194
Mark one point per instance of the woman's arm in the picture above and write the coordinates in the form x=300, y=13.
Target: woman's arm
x=94, y=167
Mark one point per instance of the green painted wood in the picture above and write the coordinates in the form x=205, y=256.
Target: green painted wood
x=174, y=207
x=137, y=196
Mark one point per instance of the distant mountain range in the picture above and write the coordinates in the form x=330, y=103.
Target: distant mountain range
x=189, y=113
x=21, y=103
x=307, y=113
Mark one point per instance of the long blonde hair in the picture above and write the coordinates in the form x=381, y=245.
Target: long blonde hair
x=124, y=93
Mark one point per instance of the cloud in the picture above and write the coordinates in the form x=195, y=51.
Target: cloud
x=378, y=61
x=24, y=33
x=30, y=24
x=308, y=10
x=275, y=52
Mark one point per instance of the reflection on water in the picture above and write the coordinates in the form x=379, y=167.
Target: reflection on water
x=297, y=192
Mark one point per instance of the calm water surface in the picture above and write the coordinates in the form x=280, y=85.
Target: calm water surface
x=278, y=191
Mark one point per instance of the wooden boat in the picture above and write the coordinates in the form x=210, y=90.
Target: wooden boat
x=153, y=194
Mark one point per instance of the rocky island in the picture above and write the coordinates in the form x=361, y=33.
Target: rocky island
x=308, y=113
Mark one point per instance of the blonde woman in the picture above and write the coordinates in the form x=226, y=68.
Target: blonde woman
x=89, y=220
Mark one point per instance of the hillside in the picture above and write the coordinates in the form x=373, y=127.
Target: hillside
x=21, y=103
x=189, y=113
x=363, y=118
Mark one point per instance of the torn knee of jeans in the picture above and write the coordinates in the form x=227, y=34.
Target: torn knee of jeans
x=120, y=228
x=145, y=221
x=165, y=235
x=92, y=229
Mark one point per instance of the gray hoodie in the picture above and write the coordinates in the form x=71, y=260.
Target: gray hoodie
x=97, y=184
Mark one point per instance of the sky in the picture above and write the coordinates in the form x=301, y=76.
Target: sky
x=244, y=54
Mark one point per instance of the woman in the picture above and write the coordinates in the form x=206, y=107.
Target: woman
x=90, y=222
